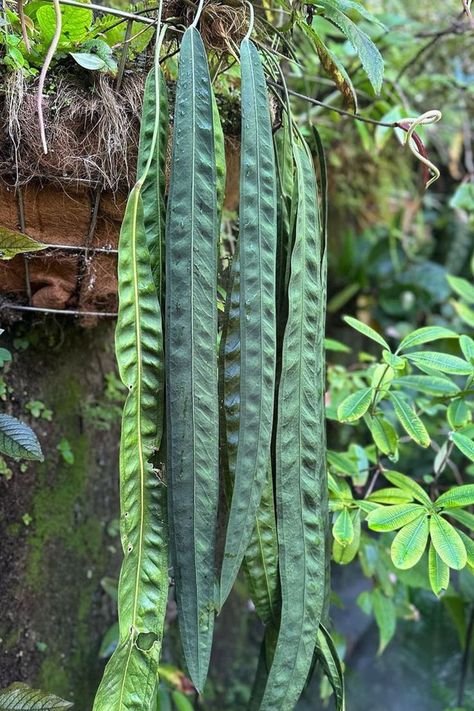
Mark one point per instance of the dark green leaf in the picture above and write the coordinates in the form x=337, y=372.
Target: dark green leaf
x=18, y=440
x=19, y=697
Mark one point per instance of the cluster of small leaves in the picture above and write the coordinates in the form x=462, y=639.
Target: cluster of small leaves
x=420, y=527
x=90, y=42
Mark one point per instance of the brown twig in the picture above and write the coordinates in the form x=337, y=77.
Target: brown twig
x=44, y=70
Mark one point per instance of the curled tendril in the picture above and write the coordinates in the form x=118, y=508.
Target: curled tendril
x=416, y=145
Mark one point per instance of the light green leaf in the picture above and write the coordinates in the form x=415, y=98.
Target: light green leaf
x=462, y=287
x=395, y=361
x=410, y=421
x=467, y=347
x=390, y=518
x=332, y=345
x=464, y=312
x=390, y=496
x=438, y=572
x=87, y=60
x=354, y=406
x=440, y=361
x=410, y=542
x=447, y=542
x=464, y=517
x=409, y=485
x=13, y=243
x=428, y=384
x=458, y=413
x=469, y=546
x=181, y=701
x=426, y=335
x=18, y=440
x=367, y=331
x=385, y=617
x=342, y=463
x=464, y=444
x=76, y=22
x=369, y=55
x=343, y=529
x=458, y=496
x=19, y=697
x=384, y=434
x=345, y=554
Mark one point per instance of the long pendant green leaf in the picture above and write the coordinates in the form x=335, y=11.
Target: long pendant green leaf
x=299, y=457
x=191, y=361
x=257, y=323
x=151, y=164
x=131, y=674
x=261, y=556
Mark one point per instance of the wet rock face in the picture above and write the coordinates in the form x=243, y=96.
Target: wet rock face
x=55, y=517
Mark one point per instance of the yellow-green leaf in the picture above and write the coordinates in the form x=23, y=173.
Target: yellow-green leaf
x=345, y=554
x=438, y=572
x=426, y=335
x=464, y=444
x=458, y=496
x=389, y=518
x=384, y=434
x=440, y=361
x=410, y=421
x=404, y=482
x=410, y=542
x=447, y=542
x=343, y=529
x=354, y=406
x=462, y=287
x=13, y=243
x=390, y=496
x=366, y=331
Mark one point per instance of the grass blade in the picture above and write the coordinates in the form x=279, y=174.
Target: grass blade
x=191, y=337
x=257, y=324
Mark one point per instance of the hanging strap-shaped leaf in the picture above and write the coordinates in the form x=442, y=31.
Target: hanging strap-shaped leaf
x=301, y=515
x=131, y=674
x=191, y=319
x=261, y=557
x=326, y=654
x=19, y=697
x=151, y=164
x=257, y=324
x=18, y=440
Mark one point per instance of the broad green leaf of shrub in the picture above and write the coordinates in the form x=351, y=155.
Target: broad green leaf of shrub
x=88, y=61
x=383, y=434
x=343, y=529
x=342, y=462
x=18, y=440
x=469, y=546
x=394, y=361
x=458, y=413
x=354, y=406
x=19, y=697
x=464, y=517
x=385, y=617
x=458, y=496
x=448, y=542
x=390, y=518
x=428, y=384
x=440, y=361
x=425, y=335
x=346, y=554
x=409, y=485
x=368, y=53
x=13, y=243
x=467, y=347
x=438, y=572
x=464, y=444
x=76, y=22
x=410, y=421
x=462, y=287
x=390, y=496
x=339, y=487
x=367, y=331
x=410, y=542
x=464, y=312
